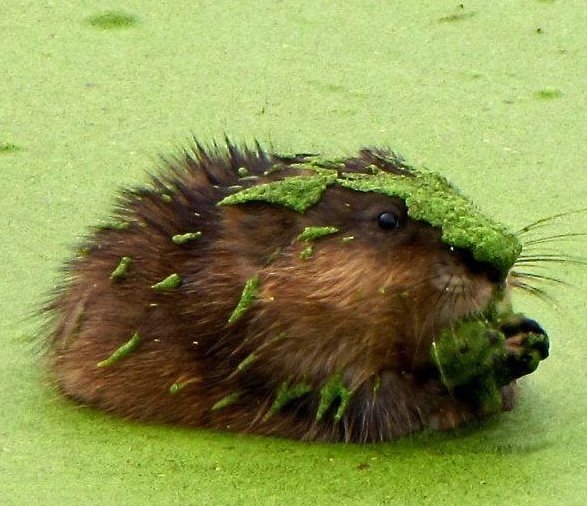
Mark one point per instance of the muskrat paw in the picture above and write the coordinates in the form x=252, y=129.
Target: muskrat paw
x=526, y=344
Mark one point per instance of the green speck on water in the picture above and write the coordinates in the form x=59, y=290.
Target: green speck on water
x=112, y=20
x=7, y=147
x=549, y=93
x=452, y=18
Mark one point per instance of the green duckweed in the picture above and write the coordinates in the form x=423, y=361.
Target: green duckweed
x=121, y=269
x=248, y=296
x=169, y=283
x=128, y=347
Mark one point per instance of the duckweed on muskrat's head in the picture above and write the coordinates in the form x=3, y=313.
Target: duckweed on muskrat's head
x=429, y=197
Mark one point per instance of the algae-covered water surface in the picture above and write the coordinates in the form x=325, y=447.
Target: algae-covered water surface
x=491, y=95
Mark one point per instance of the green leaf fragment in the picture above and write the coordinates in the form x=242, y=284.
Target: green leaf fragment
x=313, y=233
x=183, y=238
x=226, y=401
x=296, y=192
x=121, y=269
x=169, y=283
x=121, y=352
x=334, y=389
x=286, y=394
x=248, y=296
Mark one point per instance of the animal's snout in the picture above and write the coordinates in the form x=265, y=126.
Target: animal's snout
x=494, y=275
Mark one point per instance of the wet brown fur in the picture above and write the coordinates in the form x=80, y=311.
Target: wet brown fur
x=367, y=308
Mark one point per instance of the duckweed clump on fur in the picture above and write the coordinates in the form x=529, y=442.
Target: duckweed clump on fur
x=226, y=401
x=286, y=394
x=185, y=238
x=247, y=362
x=169, y=283
x=333, y=390
x=180, y=384
x=248, y=296
x=295, y=192
x=472, y=355
x=121, y=269
x=313, y=233
x=121, y=352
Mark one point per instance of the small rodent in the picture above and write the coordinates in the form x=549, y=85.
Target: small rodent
x=184, y=311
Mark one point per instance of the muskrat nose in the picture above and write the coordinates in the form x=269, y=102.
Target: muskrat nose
x=494, y=275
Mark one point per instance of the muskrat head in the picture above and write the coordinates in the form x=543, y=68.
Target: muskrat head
x=353, y=282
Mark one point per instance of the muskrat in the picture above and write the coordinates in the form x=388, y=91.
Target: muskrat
x=313, y=323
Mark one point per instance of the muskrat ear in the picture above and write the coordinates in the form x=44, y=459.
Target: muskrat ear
x=257, y=231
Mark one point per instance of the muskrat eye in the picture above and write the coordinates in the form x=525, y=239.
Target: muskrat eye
x=388, y=220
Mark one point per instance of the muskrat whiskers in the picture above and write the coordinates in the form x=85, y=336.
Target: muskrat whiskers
x=439, y=302
x=551, y=258
x=536, y=292
x=537, y=277
x=529, y=276
x=548, y=221
x=571, y=236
